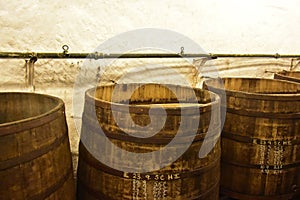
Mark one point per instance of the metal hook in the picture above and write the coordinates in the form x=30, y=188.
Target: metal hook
x=66, y=49
x=29, y=71
x=96, y=55
x=181, y=50
x=33, y=57
x=277, y=55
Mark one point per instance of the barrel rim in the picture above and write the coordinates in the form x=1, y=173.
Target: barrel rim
x=47, y=116
x=252, y=95
x=89, y=96
x=284, y=72
x=282, y=76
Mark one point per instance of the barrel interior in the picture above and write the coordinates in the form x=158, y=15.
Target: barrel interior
x=176, y=100
x=18, y=106
x=150, y=94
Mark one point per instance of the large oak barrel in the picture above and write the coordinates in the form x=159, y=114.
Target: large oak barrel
x=35, y=158
x=260, y=139
x=188, y=177
x=288, y=76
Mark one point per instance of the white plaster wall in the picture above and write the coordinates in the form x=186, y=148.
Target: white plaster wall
x=219, y=26
x=257, y=26
x=231, y=26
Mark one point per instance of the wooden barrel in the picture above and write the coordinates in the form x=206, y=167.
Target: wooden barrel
x=288, y=76
x=260, y=139
x=189, y=177
x=35, y=158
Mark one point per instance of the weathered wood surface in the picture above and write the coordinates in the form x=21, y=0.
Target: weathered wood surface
x=35, y=158
x=189, y=177
x=288, y=76
x=260, y=138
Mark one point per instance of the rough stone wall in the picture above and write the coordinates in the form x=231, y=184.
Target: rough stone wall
x=259, y=26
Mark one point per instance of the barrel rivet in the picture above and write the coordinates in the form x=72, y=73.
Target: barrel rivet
x=295, y=188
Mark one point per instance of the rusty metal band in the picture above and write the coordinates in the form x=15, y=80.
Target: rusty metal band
x=82, y=187
x=286, y=78
x=93, y=126
x=91, y=100
x=52, y=189
x=145, y=109
x=279, y=96
x=258, y=141
x=33, y=154
x=258, y=166
x=263, y=114
x=213, y=189
x=29, y=124
x=238, y=195
x=293, y=97
x=85, y=156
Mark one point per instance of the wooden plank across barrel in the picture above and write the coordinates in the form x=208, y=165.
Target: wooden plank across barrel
x=35, y=159
x=288, y=76
x=188, y=177
x=260, y=139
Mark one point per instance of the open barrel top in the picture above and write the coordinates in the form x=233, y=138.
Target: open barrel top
x=256, y=88
x=151, y=95
x=22, y=110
